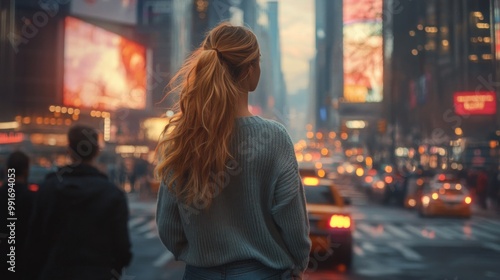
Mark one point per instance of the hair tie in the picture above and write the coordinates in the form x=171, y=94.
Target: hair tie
x=219, y=54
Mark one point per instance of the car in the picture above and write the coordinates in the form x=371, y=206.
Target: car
x=387, y=188
x=447, y=180
x=445, y=201
x=331, y=225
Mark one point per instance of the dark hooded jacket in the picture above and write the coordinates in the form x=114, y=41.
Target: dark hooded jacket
x=79, y=227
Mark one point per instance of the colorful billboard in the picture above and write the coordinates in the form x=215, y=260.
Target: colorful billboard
x=475, y=103
x=102, y=70
x=363, y=51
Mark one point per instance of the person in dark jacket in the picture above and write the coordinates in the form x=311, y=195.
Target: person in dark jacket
x=19, y=194
x=79, y=228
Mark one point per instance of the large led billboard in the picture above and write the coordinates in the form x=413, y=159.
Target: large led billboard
x=102, y=70
x=363, y=51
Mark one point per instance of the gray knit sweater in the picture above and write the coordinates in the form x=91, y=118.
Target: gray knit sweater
x=259, y=214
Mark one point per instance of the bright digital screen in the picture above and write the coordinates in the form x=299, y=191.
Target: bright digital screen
x=102, y=70
x=363, y=51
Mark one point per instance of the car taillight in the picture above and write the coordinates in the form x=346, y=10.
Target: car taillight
x=388, y=179
x=33, y=187
x=340, y=221
x=380, y=184
x=468, y=200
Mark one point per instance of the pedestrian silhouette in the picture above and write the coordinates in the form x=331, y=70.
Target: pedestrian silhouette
x=79, y=228
x=17, y=193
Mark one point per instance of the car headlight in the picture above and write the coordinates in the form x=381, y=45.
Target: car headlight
x=425, y=201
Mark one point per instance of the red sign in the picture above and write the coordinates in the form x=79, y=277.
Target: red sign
x=11, y=137
x=475, y=103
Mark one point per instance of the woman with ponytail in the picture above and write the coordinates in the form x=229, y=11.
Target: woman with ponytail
x=231, y=204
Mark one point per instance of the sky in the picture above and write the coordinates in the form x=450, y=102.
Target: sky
x=296, y=21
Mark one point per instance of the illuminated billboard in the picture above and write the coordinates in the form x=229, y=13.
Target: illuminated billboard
x=475, y=103
x=102, y=70
x=363, y=51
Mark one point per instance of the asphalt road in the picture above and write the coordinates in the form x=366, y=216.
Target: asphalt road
x=390, y=243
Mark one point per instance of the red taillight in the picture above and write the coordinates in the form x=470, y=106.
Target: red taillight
x=369, y=179
x=340, y=221
x=33, y=187
x=388, y=179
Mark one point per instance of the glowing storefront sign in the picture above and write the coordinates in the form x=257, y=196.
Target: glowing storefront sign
x=363, y=51
x=11, y=137
x=355, y=124
x=475, y=103
x=154, y=127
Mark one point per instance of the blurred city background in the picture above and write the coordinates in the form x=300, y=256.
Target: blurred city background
x=393, y=102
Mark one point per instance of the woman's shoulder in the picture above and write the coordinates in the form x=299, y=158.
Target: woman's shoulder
x=268, y=131
x=271, y=124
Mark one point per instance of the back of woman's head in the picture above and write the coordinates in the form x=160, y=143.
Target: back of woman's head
x=195, y=143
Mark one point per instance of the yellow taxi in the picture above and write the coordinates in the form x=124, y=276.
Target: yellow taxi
x=448, y=200
x=331, y=226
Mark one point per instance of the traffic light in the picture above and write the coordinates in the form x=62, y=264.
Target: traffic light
x=382, y=126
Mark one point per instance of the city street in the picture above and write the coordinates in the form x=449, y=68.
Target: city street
x=390, y=243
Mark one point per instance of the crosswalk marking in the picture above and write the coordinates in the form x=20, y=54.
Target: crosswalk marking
x=396, y=231
x=481, y=230
x=408, y=253
x=413, y=230
x=358, y=251
x=482, y=234
x=372, y=231
x=487, y=227
x=369, y=247
x=446, y=233
x=163, y=259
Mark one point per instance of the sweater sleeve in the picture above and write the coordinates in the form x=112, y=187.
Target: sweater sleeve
x=169, y=222
x=289, y=207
